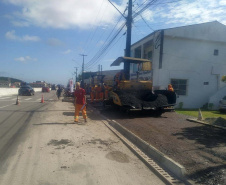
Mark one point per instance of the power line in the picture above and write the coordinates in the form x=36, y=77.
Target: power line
x=146, y=23
x=103, y=49
x=108, y=35
x=116, y=8
x=87, y=43
x=91, y=66
x=144, y=8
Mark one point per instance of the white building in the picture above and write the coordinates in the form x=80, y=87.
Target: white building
x=191, y=58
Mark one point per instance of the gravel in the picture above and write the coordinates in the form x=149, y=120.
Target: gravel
x=199, y=148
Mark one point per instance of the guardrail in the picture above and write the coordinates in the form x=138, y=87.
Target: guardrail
x=14, y=91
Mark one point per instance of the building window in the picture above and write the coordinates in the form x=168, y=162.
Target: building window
x=215, y=52
x=137, y=52
x=206, y=83
x=135, y=68
x=179, y=86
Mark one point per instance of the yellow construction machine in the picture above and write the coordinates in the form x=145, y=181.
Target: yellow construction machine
x=137, y=94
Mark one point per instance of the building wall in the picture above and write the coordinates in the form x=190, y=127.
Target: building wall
x=188, y=53
x=195, y=61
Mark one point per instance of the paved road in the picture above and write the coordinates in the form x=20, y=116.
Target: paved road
x=40, y=144
x=15, y=118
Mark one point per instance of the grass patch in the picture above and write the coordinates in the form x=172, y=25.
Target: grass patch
x=205, y=113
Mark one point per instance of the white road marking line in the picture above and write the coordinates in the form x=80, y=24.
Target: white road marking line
x=6, y=106
x=38, y=99
x=28, y=99
x=4, y=98
x=51, y=99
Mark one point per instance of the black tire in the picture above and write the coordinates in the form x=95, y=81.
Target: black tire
x=158, y=113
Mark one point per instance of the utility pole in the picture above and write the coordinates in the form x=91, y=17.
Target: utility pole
x=129, y=20
x=82, y=85
x=76, y=74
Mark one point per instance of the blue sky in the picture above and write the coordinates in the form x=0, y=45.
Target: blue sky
x=43, y=39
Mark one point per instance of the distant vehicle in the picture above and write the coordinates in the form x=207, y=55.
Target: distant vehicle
x=68, y=93
x=222, y=106
x=53, y=87
x=45, y=89
x=26, y=90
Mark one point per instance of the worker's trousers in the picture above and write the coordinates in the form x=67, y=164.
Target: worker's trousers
x=97, y=96
x=92, y=96
x=101, y=96
x=106, y=94
x=78, y=109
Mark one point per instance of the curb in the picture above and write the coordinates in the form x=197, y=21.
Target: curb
x=167, y=163
x=204, y=123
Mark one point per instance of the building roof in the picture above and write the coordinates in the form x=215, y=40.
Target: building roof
x=119, y=60
x=202, y=31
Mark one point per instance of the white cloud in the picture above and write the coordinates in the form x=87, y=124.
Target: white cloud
x=12, y=36
x=67, y=52
x=222, y=2
x=54, y=42
x=194, y=12
x=100, y=43
x=65, y=14
x=185, y=12
x=25, y=59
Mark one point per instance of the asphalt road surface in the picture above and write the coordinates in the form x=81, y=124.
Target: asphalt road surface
x=40, y=144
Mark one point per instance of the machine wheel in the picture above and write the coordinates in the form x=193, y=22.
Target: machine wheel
x=158, y=113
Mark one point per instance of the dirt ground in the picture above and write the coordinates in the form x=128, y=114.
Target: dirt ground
x=200, y=149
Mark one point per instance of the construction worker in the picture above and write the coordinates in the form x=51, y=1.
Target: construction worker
x=80, y=102
x=102, y=92
x=106, y=89
x=170, y=88
x=58, y=93
x=92, y=93
x=119, y=77
x=98, y=90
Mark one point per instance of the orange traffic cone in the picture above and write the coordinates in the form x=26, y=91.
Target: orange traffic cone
x=17, y=101
x=42, y=100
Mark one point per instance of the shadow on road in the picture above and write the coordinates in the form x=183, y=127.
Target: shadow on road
x=208, y=136
x=210, y=175
x=39, y=124
x=68, y=113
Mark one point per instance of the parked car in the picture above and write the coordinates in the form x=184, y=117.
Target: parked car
x=222, y=106
x=45, y=89
x=26, y=90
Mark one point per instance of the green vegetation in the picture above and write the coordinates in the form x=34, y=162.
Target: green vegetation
x=12, y=80
x=205, y=113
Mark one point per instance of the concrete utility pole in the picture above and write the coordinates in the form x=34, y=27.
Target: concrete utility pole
x=76, y=74
x=129, y=20
x=82, y=84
